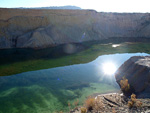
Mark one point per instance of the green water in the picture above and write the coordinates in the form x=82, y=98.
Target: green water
x=50, y=90
x=15, y=61
x=61, y=78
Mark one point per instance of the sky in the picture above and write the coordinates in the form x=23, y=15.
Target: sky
x=98, y=5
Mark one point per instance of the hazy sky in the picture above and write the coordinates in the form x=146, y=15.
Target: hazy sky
x=99, y=5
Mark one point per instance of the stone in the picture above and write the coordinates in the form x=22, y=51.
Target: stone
x=137, y=71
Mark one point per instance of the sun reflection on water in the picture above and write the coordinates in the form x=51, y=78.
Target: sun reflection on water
x=116, y=45
x=109, y=68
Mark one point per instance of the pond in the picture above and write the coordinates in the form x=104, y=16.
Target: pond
x=50, y=90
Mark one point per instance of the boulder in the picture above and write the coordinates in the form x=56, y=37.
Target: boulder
x=137, y=71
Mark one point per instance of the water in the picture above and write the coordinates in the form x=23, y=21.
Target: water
x=50, y=90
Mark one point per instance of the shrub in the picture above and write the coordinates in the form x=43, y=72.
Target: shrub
x=89, y=103
x=134, y=102
x=138, y=104
x=83, y=110
x=94, y=104
x=130, y=104
x=98, y=106
x=124, y=84
x=133, y=98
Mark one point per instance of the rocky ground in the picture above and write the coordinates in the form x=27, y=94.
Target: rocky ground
x=116, y=103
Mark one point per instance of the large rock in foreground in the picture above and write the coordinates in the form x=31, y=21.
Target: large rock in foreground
x=137, y=71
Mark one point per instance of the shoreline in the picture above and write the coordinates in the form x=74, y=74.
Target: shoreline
x=106, y=93
x=114, y=103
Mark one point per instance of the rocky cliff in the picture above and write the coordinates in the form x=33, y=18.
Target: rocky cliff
x=39, y=28
x=137, y=71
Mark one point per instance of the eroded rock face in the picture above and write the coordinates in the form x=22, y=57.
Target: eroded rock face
x=39, y=28
x=137, y=71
